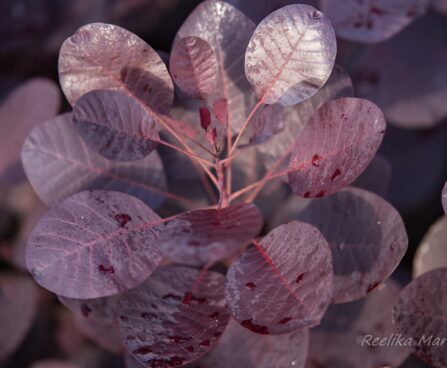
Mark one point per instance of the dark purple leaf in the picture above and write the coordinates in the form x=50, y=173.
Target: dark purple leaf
x=269, y=122
x=335, y=147
x=100, y=309
x=193, y=66
x=431, y=253
x=203, y=236
x=18, y=307
x=174, y=317
x=115, y=125
x=376, y=177
x=104, y=56
x=290, y=55
x=58, y=164
x=283, y=284
x=371, y=21
x=367, y=238
x=27, y=106
x=421, y=315
x=94, y=244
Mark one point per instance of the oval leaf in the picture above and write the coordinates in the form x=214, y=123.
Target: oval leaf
x=421, y=314
x=104, y=56
x=371, y=20
x=283, y=284
x=55, y=148
x=94, y=244
x=115, y=125
x=367, y=238
x=174, y=317
x=290, y=55
x=266, y=124
x=203, y=236
x=193, y=65
x=335, y=147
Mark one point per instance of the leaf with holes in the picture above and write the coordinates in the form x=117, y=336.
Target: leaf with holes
x=18, y=307
x=94, y=244
x=203, y=236
x=290, y=55
x=59, y=164
x=372, y=21
x=174, y=317
x=115, y=125
x=284, y=283
x=339, y=142
x=99, y=309
x=367, y=238
x=421, y=314
x=193, y=66
x=104, y=56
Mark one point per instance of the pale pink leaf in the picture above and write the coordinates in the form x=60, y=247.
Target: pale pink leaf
x=283, y=285
x=290, y=55
x=421, y=314
x=338, y=143
x=58, y=164
x=94, y=244
x=105, y=56
x=174, y=317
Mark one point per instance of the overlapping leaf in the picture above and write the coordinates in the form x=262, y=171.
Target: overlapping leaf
x=269, y=122
x=338, y=143
x=372, y=20
x=94, y=244
x=59, y=164
x=174, y=317
x=105, y=56
x=115, y=125
x=367, y=238
x=283, y=284
x=376, y=177
x=290, y=55
x=99, y=309
x=421, y=315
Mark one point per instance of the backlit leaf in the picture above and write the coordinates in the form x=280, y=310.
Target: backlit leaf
x=269, y=122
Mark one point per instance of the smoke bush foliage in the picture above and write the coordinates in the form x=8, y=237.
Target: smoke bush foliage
x=162, y=179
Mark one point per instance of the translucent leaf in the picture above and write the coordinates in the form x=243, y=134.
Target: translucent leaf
x=228, y=32
x=266, y=124
x=346, y=334
x=239, y=347
x=432, y=253
x=290, y=55
x=115, y=125
x=100, y=309
x=53, y=363
x=27, y=106
x=335, y=147
x=104, y=56
x=18, y=307
x=371, y=21
x=367, y=238
x=444, y=198
x=283, y=285
x=174, y=317
x=58, y=164
x=376, y=177
x=202, y=236
x=94, y=244
x=421, y=314
x=193, y=66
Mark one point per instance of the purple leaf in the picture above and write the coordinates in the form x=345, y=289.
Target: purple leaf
x=376, y=177
x=18, y=307
x=371, y=21
x=239, y=347
x=335, y=147
x=283, y=284
x=228, y=32
x=444, y=197
x=421, y=315
x=174, y=317
x=269, y=122
x=53, y=363
x=115, y=125
x=27, y=106
x=431, y=252
x=104, y=56
x=94, y=244
x=58, y=164
x=367, y=238
x=290, y=55
x=100, y=309
x=193, y=66
x=203, y=236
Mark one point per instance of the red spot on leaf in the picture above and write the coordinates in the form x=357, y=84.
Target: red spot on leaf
x=320, y=194
x=285, y=320
x=371, y=287
x=104, y=269
x=299, y=278
x=376, y=10
x=254, y=327
x=142, y=351
x=316, y=160
x=335, y=175
x=250, y=285
x=122, y=219
x=204, y=344
x=307, y=195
